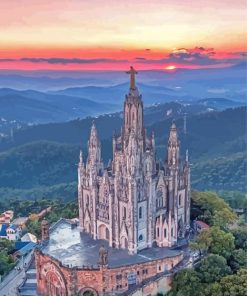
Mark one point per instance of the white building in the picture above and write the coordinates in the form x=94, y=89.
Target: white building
x=134, y=202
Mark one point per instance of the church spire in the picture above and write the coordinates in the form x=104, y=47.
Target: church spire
x=94, y=146
x=173, y=146
x=132, y=73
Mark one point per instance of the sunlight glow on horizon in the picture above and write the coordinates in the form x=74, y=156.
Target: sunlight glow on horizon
x=138, y=30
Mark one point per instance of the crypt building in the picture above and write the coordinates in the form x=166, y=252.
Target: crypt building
x=135, y=202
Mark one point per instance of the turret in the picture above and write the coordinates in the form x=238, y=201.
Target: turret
x=94, y=148
x=81, y=168
x=173, y=147
x=45, y=230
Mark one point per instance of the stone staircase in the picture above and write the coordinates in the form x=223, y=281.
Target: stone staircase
x=28, y=287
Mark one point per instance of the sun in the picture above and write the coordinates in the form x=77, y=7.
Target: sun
x=171, y=67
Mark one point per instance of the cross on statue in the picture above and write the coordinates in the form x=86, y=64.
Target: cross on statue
x=132, y=73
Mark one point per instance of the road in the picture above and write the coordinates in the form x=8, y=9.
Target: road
x=14, y=278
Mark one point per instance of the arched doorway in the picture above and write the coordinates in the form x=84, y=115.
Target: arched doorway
x=103, y=232
x=54, y=280
x=124, y=243
x=88, y=292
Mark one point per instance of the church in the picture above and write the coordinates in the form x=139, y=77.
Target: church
x=135, y=202
x=130, y=213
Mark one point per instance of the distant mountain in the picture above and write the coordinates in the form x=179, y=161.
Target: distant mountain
x=220, y=103
x=151, y=94
x=37, y=107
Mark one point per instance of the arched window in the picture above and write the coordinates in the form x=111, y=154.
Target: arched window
x=107, y=234
x=158, y=232
x=172, y=232
x=87, y=202
x=140, y=212
x=140, y=237
x=124, y=212
x=179, y=200
x=133, y=116
x=165, y=233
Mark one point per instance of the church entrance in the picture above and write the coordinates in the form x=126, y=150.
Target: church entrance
x=103, y=232
x=88, y=292
x=124, y=243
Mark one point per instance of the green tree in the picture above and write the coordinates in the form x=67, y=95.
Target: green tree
x=224, y=218
x=202, y=242
x=240, y=235
x=222, y=243
x=235, y=285
x=213, y=268
x=238, y=259
x=186, y=283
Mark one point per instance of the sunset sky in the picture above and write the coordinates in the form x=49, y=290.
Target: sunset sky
x=111, y=34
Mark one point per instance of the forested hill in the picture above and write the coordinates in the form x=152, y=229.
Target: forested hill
x=216, y=142
x=213, y=133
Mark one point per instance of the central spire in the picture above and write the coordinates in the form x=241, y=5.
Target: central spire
x=132, y=73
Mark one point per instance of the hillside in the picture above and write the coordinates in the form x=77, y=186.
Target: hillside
x=223, y=173
x=212, y=132
x=38, y=164
x=37, y=167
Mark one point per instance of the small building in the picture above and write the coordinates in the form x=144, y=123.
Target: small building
x=29, y=237
x=3, y=228
x=13, y=232
x=20, y=222
x=23, y=248
x=199, y=226
x=6, y=217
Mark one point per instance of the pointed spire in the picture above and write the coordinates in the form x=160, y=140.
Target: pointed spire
x=173, y=138
x=187, y=156
x=93, y=130
x=81, y=156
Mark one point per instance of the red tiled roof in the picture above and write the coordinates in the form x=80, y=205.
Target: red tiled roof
x=202, y=224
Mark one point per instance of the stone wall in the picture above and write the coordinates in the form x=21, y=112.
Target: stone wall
x=53, y=277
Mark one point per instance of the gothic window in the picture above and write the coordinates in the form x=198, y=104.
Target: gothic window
x=159, y=198
x=172, y=232
x=140, y=213
x=107, y=234
x=87, y=200
x=158, y=232
x=179, y=200
x=124, y=212
x=165, y=233
x=140, y=237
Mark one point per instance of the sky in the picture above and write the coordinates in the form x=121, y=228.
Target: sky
x=113, y=34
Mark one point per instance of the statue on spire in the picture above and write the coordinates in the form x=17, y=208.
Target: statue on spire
x=132, y=73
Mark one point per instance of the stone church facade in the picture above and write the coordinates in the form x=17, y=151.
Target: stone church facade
x=135, y=202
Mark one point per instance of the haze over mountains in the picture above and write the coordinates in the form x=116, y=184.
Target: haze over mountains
x=45, y=118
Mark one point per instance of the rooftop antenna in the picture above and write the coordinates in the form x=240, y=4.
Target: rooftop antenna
x=185, y=123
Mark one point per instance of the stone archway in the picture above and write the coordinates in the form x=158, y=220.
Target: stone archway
x=88, y=292
x=103, y=232
x=54, y=280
